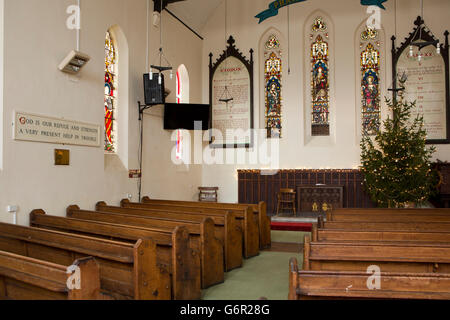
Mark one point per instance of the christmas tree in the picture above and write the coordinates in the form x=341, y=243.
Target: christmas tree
x=396, y=164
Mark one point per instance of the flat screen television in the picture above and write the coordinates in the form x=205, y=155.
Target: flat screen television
x=184, y=115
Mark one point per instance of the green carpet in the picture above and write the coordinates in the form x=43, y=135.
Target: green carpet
x=288, y=236
x=266, y=275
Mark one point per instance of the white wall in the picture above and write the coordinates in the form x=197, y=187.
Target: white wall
x=35, y=41
x=346, y=16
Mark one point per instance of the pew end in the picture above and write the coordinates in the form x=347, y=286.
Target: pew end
x=212, y=255
x=306, y=252
x=151, y=283
x=71, y=208
x=186, y=267
x=99, y=204
x=90, y=280
x=123, y=202
x=293, y=279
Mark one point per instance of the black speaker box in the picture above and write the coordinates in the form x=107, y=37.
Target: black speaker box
x=153, y=91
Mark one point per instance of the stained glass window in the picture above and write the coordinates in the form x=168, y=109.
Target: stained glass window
x=370, y=83
x=320, y=86
x=272, y=79
x=110, y=92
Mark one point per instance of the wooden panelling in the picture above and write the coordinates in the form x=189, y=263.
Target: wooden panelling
x=255, y=186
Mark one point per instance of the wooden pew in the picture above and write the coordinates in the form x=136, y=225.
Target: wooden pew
x=403, y=226
x=127, y=271
x=319, y=234
x=201, y=234
x=24, y=278
x=245, y=217
x=389, y=215
x=226, y=228
x=353, y=285
x=390, y=257
x=260, y=209
x=172, y=248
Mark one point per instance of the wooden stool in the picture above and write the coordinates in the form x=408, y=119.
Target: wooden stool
x=286, y=200
x=207, y=194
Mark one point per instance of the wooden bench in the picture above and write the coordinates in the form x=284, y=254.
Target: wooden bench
x=403, y=226
x=378, y=235
x=201, y=235
x=260, y=209
x=24, y=278
x=390, y=257
x=225, y=228
x=353, y=285
x=389, y=215
x=127, y=271
x=245, y=217
x=172, y=248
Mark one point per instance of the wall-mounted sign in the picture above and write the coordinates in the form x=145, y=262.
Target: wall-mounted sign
x=36, y=128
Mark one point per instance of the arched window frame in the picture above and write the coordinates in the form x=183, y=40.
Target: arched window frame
x=273, y=68
x=272, y=56
x=315, y=132
x=182, y=96
x=111, y=90
x=370, y=40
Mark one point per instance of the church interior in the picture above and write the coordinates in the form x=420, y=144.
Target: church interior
x=224, y=149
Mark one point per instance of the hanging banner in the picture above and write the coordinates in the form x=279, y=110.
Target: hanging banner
x=378, y=3
x=278, y=4
x=273, y=9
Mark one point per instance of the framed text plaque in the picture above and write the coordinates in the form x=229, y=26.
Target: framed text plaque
x=231, y=98
x=38, y=128
x=427, y=80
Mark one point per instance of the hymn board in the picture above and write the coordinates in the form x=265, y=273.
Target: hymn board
x=231, y=98
x=426, y=80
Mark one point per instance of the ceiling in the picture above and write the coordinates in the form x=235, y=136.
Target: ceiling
x=194, y=13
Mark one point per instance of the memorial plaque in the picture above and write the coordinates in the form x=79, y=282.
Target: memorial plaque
x=426, y=86
x=425, y=62
x=231, y=98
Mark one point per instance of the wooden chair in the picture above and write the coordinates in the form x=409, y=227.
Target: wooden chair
x=286, y=198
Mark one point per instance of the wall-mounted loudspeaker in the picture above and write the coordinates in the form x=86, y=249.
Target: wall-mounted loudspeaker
x=154, y=89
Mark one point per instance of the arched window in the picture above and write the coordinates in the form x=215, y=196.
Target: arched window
x=110, y=104
x=370, y=81
x=182, y=96
x=320, y=78
x=182, y=84
x=272, y=86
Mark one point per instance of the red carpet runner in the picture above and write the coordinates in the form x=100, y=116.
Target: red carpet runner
x=291, y=226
